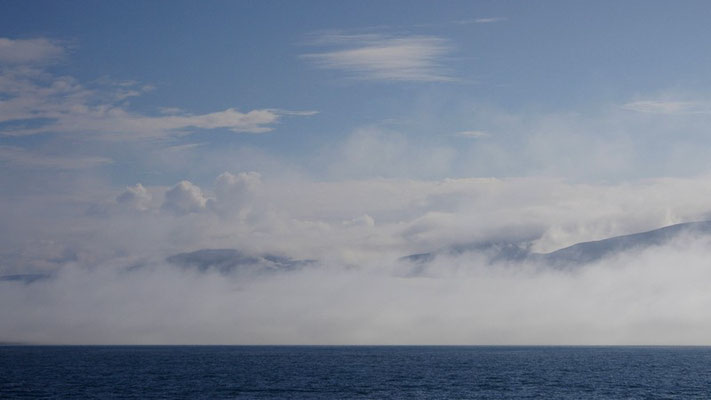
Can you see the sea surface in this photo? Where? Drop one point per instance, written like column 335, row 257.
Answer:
column 345, row 372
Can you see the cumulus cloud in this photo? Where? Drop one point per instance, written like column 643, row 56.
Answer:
column 382, row 57
column 228, row 185
column 236, row 192
column 184, row 198
column 29, row 51
column 135, row 197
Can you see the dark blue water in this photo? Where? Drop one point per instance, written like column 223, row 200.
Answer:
column 226, row 372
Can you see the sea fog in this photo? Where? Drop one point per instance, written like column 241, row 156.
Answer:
column 258, row 259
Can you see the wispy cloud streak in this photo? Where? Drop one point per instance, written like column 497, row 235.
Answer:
column 381, row 57
column 19, row 157
column 34, row 100
column 487, row 20
column 22, row 51
column 473, row 134
column 668, row 107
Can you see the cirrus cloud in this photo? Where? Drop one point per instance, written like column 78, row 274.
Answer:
column 381, row 57
column 34, row 100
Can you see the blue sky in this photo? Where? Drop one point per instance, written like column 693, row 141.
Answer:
column 351, row 134
column 601, row 72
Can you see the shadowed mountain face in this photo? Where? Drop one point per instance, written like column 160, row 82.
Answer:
column 493, row 250
column 578, row 254
column 225, row 261
column 586, row 252
column 24, row 278
column 231, row 260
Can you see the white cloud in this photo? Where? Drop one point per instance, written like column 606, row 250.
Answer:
column 373, row 151
column 668, row 107
column 379, row 57
column 29, row 51
column 234, row 193
column 364, row 220
column 38, row 101
column 184, row 198
column 607, row 143
column 183, row 147
column 122, row 124
column 487, row 20
column 68, row 110
column 473, row 134
column 229, row 185
column 21, row 158
column 135, row 197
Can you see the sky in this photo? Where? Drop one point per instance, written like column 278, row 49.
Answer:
column 344, row 136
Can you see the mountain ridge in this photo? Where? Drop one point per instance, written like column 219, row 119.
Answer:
column 576, row 254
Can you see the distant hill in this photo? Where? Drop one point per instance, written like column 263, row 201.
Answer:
column 24, row 278
column 224, row 261
column 577, row 254
column 231, row 260
column 586, row 252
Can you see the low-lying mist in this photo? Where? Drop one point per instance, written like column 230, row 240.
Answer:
column 654, row 296
column 327, row 264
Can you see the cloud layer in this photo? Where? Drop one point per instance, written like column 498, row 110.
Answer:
column 108, row 278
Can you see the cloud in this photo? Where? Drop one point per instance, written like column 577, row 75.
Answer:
column 20, row 158
column 36, row 101
column 109, row 278
column 183, row 147
column 255, row 121
column 29, row 51
column 374, row 151
column 135, row 197
column 236, row 192
column 473, row 134
column 69, row 110
column 364, row 220
column 668, row 107
column 389, row 58
column 184, row 198
column 655, row 297
column 488, row 20
column 608, row 143
column 384, row 196
column 228, row 186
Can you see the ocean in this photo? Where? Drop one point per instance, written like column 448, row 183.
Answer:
column 354, row 372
